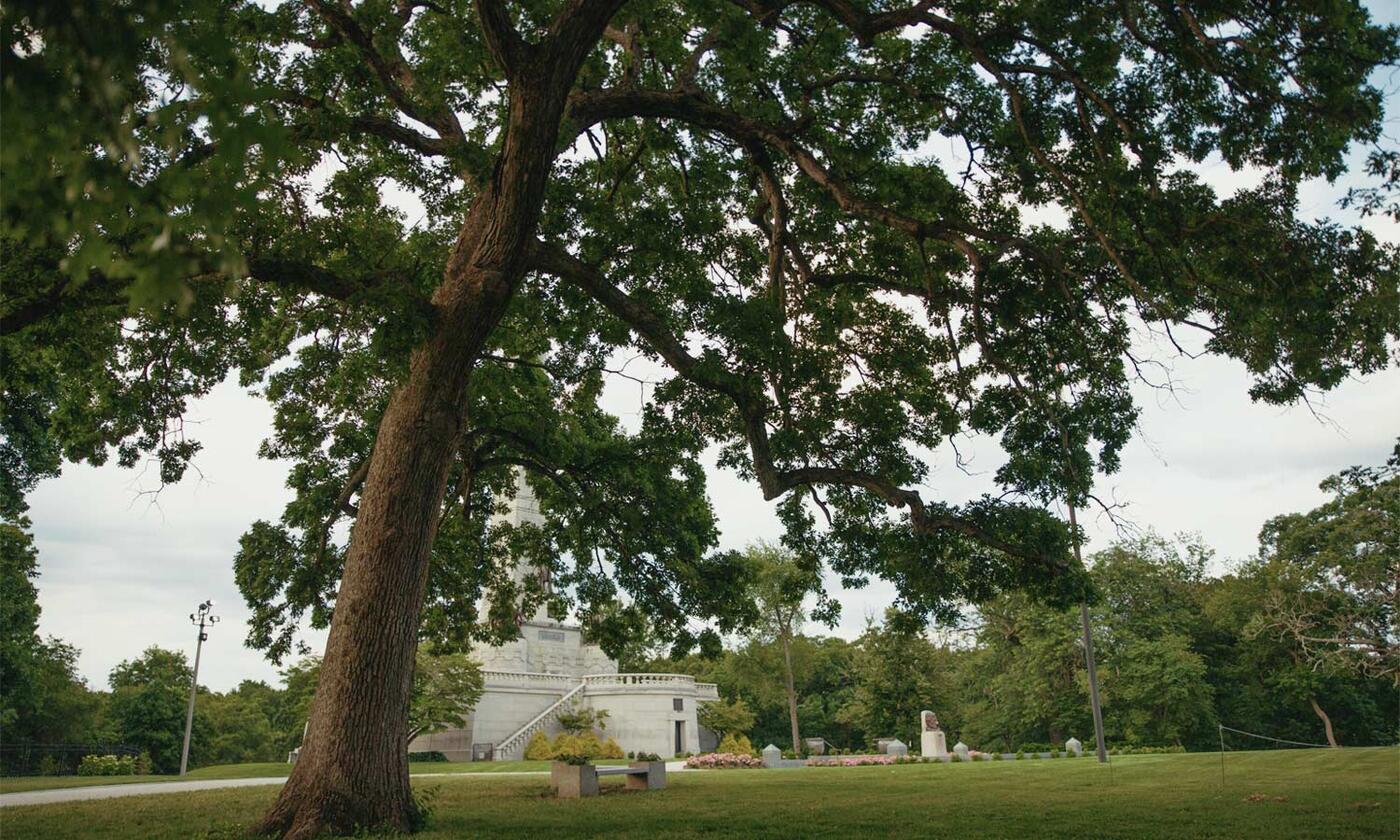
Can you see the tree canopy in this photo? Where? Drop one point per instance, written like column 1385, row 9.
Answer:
column 1334, row 573
column 851, row 231
column 762, row 195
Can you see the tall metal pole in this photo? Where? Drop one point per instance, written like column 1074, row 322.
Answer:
column 1089, row 654
column 200, row 620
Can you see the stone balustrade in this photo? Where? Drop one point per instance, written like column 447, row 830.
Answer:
column 673, row 680
column 521, row 678
column 564, row 682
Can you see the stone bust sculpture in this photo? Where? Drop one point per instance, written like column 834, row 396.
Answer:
column 930, row 722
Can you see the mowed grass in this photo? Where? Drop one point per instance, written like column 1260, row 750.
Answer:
column 16, row 784
column 1352, row 793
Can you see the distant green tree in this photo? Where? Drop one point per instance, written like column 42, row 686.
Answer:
column 42, row 697
column 239, row 730
column 446, row 688
column 20, row 645
column 582, row 720
column 147, row 708
column 299, row 687
column 1026, row 677
column 1263, row 685
column 897, row 673
column 783, row 582
column 723, row 717
column 1334, row 575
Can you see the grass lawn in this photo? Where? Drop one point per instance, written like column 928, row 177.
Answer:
column 1352, row 793
column 14, row 784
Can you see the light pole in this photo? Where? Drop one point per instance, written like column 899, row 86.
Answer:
column 200, row 619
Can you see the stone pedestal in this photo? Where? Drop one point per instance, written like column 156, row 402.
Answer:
column 1074, row 747
column 961, row 749
column 897, row 748
column 571, row 781
column 655, row 778
column 934, row 744
column 772, row 756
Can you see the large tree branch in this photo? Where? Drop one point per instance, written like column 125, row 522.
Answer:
column 100, row 290
column 693, row 108
column 748, row 399
column 501, row 38
column 393, row 72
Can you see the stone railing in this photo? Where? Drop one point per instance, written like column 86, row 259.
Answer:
column 706, row 691
column 676, row 681
column 553, row 682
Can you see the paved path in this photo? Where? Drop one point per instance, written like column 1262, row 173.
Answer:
column 83, row 794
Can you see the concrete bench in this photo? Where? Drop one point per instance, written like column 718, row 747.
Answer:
column 571, row 781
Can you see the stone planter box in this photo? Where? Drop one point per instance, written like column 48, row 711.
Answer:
column 571, row 781
column 653, row 779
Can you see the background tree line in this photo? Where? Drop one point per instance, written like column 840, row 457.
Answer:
column 1298, row 642
column 44, row 701
column 1178, row 652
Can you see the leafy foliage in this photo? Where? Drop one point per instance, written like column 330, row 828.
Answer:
column 1334, row 575
column 755, row 195
column 147, row 707
column 725, row 716
column 582, row 719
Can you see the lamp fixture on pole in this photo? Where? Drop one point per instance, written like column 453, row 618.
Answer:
column 204, row 617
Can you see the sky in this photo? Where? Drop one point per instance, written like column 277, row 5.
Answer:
column 121, row 569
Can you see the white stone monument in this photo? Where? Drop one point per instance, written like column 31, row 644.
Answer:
column 1074, row 747
column 897, row 748
column 961, row 749
column 932, row 742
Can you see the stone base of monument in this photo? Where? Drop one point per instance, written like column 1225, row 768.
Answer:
column 934, row 745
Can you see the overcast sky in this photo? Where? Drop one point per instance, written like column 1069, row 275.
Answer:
column 120, row 571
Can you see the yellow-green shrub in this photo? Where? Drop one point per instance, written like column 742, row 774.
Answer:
column 612, row 749
column 736, row 744
column 539, row 748
column 586, row 744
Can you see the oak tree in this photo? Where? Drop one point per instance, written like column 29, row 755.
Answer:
column 850, row 230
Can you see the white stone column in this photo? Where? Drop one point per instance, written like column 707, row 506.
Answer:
column 934, row 744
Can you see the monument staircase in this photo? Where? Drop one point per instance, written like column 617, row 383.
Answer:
column 514, row 746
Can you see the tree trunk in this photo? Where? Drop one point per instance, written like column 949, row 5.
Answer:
column 791, row 694
column 352, row 772
column 1326, row 722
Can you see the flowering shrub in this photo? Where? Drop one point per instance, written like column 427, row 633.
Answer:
column 853, row 761
column 721, row 761
column 107, row 765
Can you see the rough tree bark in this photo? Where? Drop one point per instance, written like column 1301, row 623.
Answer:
column 353, row 768
column 1326, row 722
